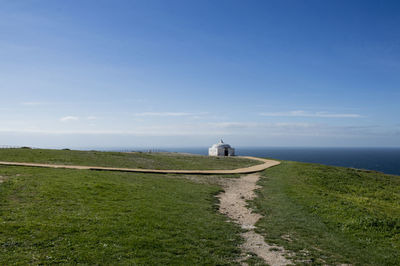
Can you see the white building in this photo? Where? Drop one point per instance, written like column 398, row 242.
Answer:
column 221, row 149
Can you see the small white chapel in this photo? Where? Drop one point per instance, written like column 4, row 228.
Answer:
column 221, row 149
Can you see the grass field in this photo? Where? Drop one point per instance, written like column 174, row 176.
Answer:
column 321, row 214
column 127, row 160
column 331, row 215
column 51, row 216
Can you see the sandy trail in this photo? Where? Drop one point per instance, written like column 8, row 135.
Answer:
column 233, row 204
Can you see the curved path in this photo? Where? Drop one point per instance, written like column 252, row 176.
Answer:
column 247, row 170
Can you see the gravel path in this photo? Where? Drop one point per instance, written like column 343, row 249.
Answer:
column 233, row 204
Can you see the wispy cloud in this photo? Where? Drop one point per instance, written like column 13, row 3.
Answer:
column 32, row 103
column 301, row 113
column 234, row 128
column 68, row 103
column 233, row 125
column 166, row 114
column 294, row 125
column 255, row 125
column 69, row 118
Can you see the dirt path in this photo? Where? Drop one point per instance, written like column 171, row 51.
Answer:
column 252, row 169
column 233, row 204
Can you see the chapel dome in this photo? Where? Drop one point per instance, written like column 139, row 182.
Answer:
column 221, row 144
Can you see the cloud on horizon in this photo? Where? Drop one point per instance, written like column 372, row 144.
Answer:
column 69, row 118
column 215, row 128
column 33, row 103
column 165, row 114
column 300, row 113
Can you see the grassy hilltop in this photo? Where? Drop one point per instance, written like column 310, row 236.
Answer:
column 80, row 216
column 324, row 215
column 124, row 160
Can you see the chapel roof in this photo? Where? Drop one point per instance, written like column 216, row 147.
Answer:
column 221, row 144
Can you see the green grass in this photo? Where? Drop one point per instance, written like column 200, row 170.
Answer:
column 127, row 160
column 331, row 215
column 322, row 214
column 52, row 216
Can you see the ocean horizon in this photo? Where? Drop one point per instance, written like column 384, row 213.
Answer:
column 386, row 160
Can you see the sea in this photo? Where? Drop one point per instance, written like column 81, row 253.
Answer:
column 386, row 160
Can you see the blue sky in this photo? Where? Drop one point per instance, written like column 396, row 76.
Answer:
column 186, row 73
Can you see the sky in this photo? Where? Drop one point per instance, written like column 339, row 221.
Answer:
column 149, row 73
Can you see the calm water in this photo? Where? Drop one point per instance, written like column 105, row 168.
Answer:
column 385, row 160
